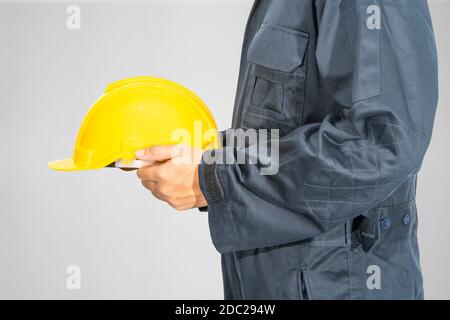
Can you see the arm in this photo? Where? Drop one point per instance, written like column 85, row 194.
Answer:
column 333, row 171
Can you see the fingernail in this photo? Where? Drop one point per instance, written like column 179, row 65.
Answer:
column 140, row 153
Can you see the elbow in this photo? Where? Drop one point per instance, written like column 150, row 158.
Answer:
column 401, row 159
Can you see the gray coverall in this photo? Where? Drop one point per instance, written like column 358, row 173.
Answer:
column 352, row 87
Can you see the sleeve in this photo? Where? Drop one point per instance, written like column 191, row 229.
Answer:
column 332, row 171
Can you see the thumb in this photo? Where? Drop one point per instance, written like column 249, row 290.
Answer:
column 157, row 153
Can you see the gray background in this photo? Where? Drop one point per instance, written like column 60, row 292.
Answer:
column 128, row 244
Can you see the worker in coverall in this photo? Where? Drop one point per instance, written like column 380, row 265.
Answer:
column 351, row 85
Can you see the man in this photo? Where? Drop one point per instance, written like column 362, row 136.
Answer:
column 351, row 85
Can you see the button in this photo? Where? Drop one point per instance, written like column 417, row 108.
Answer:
column 406, row 219
column 385, row 223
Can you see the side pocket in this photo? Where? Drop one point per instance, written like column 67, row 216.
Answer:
column 304, row 285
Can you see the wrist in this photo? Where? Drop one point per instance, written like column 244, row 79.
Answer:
column 201, row 199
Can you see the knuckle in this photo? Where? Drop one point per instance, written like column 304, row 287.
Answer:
column 154, row 152
column 175, row 205
column 166, row 192
column 151, row 151
column 146, row 185
column 162, row 173
column 172, row 201
column 158, row 196
column 178, row 205
column 158, row 175
column 139, row 173
column 144, row 173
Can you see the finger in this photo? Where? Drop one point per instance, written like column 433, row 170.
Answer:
column 150, row 185
column 157, row 153
column 153, row 187
column 155, row 172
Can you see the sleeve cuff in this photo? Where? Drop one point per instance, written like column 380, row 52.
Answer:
column 209, row 182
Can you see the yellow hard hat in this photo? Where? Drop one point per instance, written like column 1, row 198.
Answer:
column 138, row 113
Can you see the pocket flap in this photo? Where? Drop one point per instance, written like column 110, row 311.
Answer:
column 278, row 48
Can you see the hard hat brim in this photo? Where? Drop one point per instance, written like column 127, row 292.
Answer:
column 67, row 165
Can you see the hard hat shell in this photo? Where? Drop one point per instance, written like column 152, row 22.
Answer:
column 137, row 113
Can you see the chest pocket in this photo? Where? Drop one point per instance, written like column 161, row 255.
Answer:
column 276, row 84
